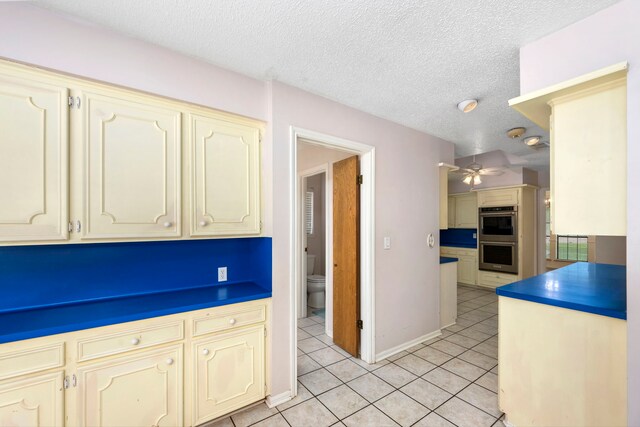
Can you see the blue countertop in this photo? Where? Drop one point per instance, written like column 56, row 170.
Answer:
column 460, row 245
column 38, row 322
column 592, row 288
column 446, row 260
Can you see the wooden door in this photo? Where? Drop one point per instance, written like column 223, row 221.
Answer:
column 229, row 373
column 34, row 402
column 346, row 254
column 225, row 177
column 142, row 389
column 34, row 143
column 132, row 168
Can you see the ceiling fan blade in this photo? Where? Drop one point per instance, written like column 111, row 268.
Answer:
column 462, row 171
column 495, row 172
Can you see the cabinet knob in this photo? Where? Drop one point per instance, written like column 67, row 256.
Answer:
column 205, row 351
column 167, row 224
column 135, row 341
column 232, row 321
column 169, row 361
column 203, row 223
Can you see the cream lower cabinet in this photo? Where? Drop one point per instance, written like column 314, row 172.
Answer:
column 142, row 389
column 33, row 159
column 162, row 371
column 467, row 265
column 35, row 401
column 225, row 176
column 229, row 372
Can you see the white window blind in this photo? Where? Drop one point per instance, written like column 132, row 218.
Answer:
column 308, row 212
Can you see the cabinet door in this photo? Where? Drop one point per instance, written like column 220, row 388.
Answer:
column 229, row 372
column 144, row 389
column 467, row 269
column 33, row 402
column 33, row 160
column 466, row 211
column 505, row 197
column 132, row 168
column 225, row 177
column 451, row 212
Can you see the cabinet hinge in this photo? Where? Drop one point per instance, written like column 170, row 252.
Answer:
column 74, row 380
column 66, row 382
column 360, row 179
column 70, row 227
column 261, row 226
column 70, row 101
column 359, row 324
column 78, row 226
column 265, row 332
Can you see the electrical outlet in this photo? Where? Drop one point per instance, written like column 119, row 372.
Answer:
column 222, row 274
column 475, row 236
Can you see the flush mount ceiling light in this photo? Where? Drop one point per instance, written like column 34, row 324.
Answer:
column 467, row 105
column 532, row 140
column 515, row 132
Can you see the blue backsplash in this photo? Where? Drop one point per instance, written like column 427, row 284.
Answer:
column 59, row 274
column 461, row 237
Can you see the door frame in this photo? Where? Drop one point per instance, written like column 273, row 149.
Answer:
column 366, row 155
column 302, row 285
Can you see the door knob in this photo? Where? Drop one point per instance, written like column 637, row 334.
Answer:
column 203, row 223
column 169, row 361
column 135, row 341
column 335, row 265
column 167, row 224
column 232, row 321
column 205, row 351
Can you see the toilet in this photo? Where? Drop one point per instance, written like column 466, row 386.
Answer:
column 315, row 285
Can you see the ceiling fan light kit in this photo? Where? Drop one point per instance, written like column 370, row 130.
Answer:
column 467, row 105
column 516, row 132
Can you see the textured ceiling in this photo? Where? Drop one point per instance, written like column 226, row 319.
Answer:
column 408, row 61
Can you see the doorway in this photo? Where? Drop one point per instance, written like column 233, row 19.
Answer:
column 302, row 140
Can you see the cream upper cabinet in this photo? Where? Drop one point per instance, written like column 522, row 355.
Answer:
column 463, row 211
column 467, row 211
column 587, row 118
column 225, row 176
column 499, row 197
column 229, row 372
column 36, row 401
column 33, row 159
column 132, row 168
column 144, row 389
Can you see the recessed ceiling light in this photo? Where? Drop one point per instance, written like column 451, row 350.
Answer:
column 516, row 132
column 532, row 140
column 467, row 105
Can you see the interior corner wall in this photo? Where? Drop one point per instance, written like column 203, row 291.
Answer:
column 607, row 37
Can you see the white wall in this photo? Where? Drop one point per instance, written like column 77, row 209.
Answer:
column 608, row 37
column 407, row 277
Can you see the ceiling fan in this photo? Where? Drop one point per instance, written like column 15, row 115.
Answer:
column 474, row 170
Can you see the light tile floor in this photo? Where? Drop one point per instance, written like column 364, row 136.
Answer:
column 450, row 380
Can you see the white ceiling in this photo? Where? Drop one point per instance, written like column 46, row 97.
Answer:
column 408, row 61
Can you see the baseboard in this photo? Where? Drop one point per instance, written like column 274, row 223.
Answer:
column 397, row 349
column 446, row 326
column 278, row 399
column 507, row 423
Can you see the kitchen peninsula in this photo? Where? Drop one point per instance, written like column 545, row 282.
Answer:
column 563, row 347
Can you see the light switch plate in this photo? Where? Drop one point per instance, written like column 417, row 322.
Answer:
column 475, row 235
column 387, row 243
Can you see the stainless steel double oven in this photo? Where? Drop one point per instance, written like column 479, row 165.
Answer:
column 498, row 239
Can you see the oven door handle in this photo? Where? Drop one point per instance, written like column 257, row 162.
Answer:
column 497, row 213
column 498, row 243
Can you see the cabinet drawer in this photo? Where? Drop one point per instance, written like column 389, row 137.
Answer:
column 225, row 319
column 494, row 280
column 498, row 197
column 107, row 345
column 29, row 360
